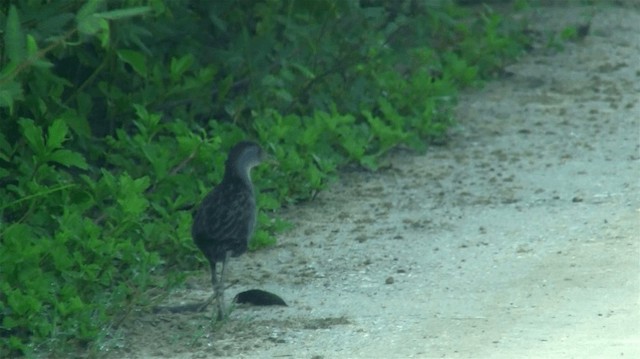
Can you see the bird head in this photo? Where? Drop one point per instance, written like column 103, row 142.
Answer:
column 243, row 157
column 248, row 153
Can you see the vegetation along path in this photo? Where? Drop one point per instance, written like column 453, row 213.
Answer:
column 520, row 238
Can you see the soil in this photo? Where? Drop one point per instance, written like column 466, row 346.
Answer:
column 518, row 238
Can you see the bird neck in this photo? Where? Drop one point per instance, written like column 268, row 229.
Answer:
column 238, row 174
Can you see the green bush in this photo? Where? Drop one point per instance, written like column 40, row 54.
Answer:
column 116, row 117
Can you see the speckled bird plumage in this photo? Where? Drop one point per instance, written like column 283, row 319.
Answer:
column 226, row 219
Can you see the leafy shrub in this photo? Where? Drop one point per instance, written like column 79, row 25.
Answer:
column 116, row 118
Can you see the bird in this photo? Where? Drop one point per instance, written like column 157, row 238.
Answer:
column 226, row 218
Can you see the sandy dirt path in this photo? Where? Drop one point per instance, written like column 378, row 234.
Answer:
column 520, row 238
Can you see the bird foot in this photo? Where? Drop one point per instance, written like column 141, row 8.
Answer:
column 221, row 312
column 206, row 303
column 220, row 316
column 202, row 306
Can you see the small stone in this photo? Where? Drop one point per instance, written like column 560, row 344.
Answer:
column 389, row 280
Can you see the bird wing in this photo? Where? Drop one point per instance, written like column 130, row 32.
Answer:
column 224, row 221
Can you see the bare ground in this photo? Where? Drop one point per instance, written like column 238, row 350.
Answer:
column 519, row 238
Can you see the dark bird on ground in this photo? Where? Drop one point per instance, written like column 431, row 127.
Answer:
column 258, row 297
column 226, row 218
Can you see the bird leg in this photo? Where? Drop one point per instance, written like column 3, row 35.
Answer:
column 214, row 283
column 219, row 288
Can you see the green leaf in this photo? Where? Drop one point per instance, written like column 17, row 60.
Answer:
column 180, row 65
column 69, row 159
column 33, row 135
column 89, row 23
column 9, row 93
column 14, row 39
column 16, row 343
column 124, row 13
column 78, row 122
column 261, row 239
column 9, row 322
column 23, row 304
column 56, row 134
column 136, row 59
column 223, row 87
column 369, row 162
column 5, row 148
column 131, row 196
column 61, row 258
column 90, row 8
column 304, row 70
column 34, row 56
